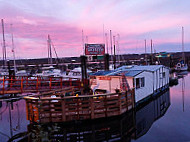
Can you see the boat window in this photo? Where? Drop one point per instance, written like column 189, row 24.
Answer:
column 142, row 82
column 163, row 74
column 137, row 83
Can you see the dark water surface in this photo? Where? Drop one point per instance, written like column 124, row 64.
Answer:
column 164, row 119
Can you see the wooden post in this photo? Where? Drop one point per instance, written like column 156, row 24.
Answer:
column 3, row 85
column 119, row 100
column 50, row 81
column 37, row 84
column 22, row 84
column 63, row 110
column 92, row 107
column 133, row 97
column 61, row 82
column 105, row 105
column 126, row 97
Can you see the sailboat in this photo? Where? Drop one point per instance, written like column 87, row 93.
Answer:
column 182, row 66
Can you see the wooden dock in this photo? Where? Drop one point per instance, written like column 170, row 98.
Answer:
column 43, row 108
column 39, row 84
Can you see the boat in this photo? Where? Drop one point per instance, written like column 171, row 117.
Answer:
column 74, row 74
column 182, row 66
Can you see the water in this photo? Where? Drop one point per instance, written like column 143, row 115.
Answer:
column 166, row 118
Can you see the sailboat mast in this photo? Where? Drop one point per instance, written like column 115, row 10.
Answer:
column 106, row 42
column 183, row 54
column 145, row 51
column 4, row 46
column 13, row 49
column 49, row 50
column 83, row 42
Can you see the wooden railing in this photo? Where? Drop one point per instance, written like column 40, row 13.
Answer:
column 62, row 109
column 27, row 84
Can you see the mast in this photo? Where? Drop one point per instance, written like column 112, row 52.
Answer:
column 118, row 48
column 4, row 46
column 106, row 35
column 114, row 58
column 183, row 54
column 145, row 51
column 83, row 42
column 49, row 51
column 111, row 44
column 13, row 49
column 151, row 53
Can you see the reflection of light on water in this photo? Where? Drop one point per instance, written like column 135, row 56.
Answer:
column 183, row 92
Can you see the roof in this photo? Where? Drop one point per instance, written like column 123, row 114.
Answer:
column 129, row 70
column 126, row 73
column 146, row 68
column 100, row 73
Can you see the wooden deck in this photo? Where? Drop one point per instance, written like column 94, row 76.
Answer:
column 68, row 108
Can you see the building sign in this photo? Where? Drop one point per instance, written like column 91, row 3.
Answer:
column 94, row 49
column 104, row 78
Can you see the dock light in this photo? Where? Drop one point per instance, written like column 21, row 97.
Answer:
column 77, row 95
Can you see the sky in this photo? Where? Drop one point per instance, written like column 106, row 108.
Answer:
column 131, row 22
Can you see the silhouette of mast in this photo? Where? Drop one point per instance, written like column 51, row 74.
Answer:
column 4, row 46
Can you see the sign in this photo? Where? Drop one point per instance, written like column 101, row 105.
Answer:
column 104, row 78
column 94, row 49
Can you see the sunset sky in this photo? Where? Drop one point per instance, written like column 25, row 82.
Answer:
column 131, row 21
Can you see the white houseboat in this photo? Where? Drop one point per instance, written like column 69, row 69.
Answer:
column 146, row 80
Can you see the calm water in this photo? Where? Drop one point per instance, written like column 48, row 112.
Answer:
column 166, row 118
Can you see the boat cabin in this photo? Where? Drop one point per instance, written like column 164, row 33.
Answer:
column 146, row 80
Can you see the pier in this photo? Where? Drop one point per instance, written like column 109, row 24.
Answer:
column 61, row 108
column 24, row 84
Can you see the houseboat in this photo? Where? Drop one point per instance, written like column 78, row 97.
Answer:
column 147, row 81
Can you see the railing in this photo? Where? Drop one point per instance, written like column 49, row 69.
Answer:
column 27, row 84
column 62, row 109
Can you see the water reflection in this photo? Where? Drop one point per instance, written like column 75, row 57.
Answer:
column 130, row 126
column 12, row 118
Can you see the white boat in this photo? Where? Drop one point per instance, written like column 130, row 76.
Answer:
column 74, row 74
column 182, row 66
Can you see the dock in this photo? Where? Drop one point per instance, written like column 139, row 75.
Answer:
column 25, row 84
column 44, row 108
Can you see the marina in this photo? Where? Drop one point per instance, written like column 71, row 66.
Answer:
column 143, row 124
column 89, row 71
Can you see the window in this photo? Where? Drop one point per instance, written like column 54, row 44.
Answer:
column 140, row 82
column 163, row 74
column 137, row 83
